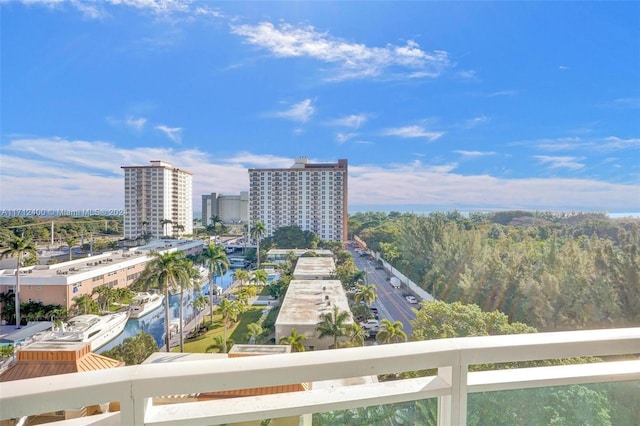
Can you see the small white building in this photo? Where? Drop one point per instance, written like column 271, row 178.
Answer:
column 302, row 306
column 281, row 255
column 314, row 268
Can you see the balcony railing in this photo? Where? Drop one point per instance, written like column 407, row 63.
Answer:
column 135, row 386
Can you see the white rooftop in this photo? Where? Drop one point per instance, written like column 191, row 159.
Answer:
column 82, row 268
column 307, row 299
column 314, row 267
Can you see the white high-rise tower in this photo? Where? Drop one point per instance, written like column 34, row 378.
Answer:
column 158, row 201
column 310, row 196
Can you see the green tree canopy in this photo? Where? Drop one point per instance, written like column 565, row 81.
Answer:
column 134, row 350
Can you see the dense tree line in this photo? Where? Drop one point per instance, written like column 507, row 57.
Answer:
column 546, row 270
column 65, row 227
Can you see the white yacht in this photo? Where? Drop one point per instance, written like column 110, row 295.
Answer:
column 145, row 303
column 96, row 329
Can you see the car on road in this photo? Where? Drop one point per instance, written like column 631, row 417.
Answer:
column 370, row 325
column 395, row 282
column 411, row 299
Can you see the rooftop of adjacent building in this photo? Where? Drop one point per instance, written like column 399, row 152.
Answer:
column 314, row 267
column 306, row 300
column 87, row 267
column 41, row 359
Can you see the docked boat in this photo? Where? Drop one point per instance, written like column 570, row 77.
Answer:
column 145, row 303
column 95, row 329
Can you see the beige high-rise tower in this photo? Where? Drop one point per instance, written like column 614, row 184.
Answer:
column 158, row 201
column 311, row 196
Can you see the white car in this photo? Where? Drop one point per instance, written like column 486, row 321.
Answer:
column 411, row 299
column 371, row 324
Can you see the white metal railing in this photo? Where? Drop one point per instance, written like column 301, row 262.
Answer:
column 135, row 386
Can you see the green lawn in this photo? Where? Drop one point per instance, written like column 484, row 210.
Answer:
column 237, row 332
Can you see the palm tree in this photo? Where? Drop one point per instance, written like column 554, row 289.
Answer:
column 106, row 296
column 194, row 276
column 218, row 263
column 85, row 305
column 391, row 332
column 166, row 271
column 178, row 229
column 260, row 277
column 164, row 223
column 358, row 335
column 255, row 330
column 70, row 243
column 358, row 276
column 294, row 340
column 242, row 276
column 199, row 303
column 333, row 324
column 220, row 345
column 366, row 293
column 229, row 312
column 257, row 232
column 18, row 247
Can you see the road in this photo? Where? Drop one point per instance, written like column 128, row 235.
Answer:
column 391, row 302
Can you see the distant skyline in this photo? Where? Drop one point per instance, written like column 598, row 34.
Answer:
column 474, row 106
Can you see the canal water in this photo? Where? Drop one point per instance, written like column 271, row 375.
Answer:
column 153, row 322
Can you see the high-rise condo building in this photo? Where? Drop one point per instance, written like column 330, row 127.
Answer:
column 158, row 201
column 311, row 196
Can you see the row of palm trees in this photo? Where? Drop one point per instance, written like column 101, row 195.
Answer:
column 171, row 272
column 334, row 324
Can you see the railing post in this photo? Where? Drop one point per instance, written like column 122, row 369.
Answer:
column 132, row 410
column 452, row 409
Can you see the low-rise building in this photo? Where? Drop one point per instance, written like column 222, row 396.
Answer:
column 314, row 268
column 281, row 255
column 302, row 306
column 59, row 283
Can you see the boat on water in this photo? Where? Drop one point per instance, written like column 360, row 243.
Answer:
column 95, row 329
column 145, row 303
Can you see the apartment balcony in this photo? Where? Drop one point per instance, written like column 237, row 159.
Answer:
column 454, row 386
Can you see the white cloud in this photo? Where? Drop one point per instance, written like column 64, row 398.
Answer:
column 571, row 163
column 413, row 132
column 475, row 153
column 353, row 121
column 467, row 75
column 563, row 67
column 609, row 143
column 420, row 185
column 155, row 6
column 57, row 173
column 95, row 9
column 501, row 93
column 352, row 60
column 344, row 137
column 173, row 133
column 613, row 143
column 476, row 121
column 135, row 123
column 89, row 10
column 624, row 103
column 300, row 112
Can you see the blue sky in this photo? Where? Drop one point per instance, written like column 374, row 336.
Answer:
column 436, row 105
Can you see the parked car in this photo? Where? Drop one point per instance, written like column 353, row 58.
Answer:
column 411, row 299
